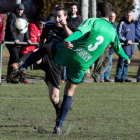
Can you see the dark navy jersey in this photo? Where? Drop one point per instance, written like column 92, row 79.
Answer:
column 52, row 33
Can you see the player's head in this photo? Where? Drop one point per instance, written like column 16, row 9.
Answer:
column 104, row 9
column 73, row 9
column 112, row 17
column 39, row 21
column 20, row 9
column 129, row 15
column 60, row 14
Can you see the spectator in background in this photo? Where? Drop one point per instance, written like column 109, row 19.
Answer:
column 137, row 27
column 126, row 33
column 14, row 50
column 73, row 21
column 35, row 30
column 1, row 28
column 106, row 75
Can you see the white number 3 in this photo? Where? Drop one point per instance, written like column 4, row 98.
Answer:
column 101, row 39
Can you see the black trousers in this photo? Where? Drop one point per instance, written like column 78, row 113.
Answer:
column 14, row 55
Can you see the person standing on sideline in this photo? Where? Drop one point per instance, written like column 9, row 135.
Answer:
column 73, row 21
column 78, row 52
column 35, row 29
column 14, row 49
column 137, row 27
column 1, row 28
column 106, row 75
column 126, row 33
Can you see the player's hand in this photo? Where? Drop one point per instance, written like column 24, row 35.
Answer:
column 29, row 41
column 127, row 62
column 68, row 45
column 63, row 22
column 17, row 41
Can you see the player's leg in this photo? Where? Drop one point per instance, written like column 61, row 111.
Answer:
column 54, row 97
column 66, row 104
column 74, row 77
column 35, row 56
column 53, row 73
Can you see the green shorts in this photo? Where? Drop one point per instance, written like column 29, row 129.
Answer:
column 73, row 74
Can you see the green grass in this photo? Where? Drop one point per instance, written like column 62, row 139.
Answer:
column 99, row 111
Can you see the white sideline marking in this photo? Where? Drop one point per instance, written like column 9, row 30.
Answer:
column 73, row 99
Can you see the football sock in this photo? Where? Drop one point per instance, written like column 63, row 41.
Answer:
column 57, row 106
column 65, row 107
column 35, row 56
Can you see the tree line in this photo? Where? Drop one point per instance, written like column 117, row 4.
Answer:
column 44, row 7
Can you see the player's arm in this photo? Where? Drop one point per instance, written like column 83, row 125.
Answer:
column 67, row 42
column 83, row 29
column 119, row 50
column 68, row 32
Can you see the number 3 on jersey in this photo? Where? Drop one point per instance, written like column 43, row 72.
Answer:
column 101, row 39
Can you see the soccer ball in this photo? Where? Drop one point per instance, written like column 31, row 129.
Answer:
column 19, row 26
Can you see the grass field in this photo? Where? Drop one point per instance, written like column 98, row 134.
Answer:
column 99, row 111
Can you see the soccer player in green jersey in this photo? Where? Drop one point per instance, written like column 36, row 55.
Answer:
column 79, row 51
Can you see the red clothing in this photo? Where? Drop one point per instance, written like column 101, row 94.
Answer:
column 34, row 35
column 1, row 28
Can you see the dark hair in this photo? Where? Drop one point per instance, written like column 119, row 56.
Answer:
column 73, row 4
column 105, row 8
column 60, row 7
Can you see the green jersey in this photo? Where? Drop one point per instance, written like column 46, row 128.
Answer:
column 97, row 34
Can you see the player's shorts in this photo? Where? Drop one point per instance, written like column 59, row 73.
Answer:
column 74, row 76
column 52, row 70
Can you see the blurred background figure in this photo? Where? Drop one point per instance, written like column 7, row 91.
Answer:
column 74, row 20
column 14, row 50
column 106, row 76
column 1, row 28
column 126, row 33
column 35, row 30
column 137, row 26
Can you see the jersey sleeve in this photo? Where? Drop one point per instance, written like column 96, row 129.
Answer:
column 76, row 35
column 116, row 45
column 86, row 26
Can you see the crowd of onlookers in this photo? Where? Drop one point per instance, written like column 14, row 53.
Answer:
column 128, row 32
